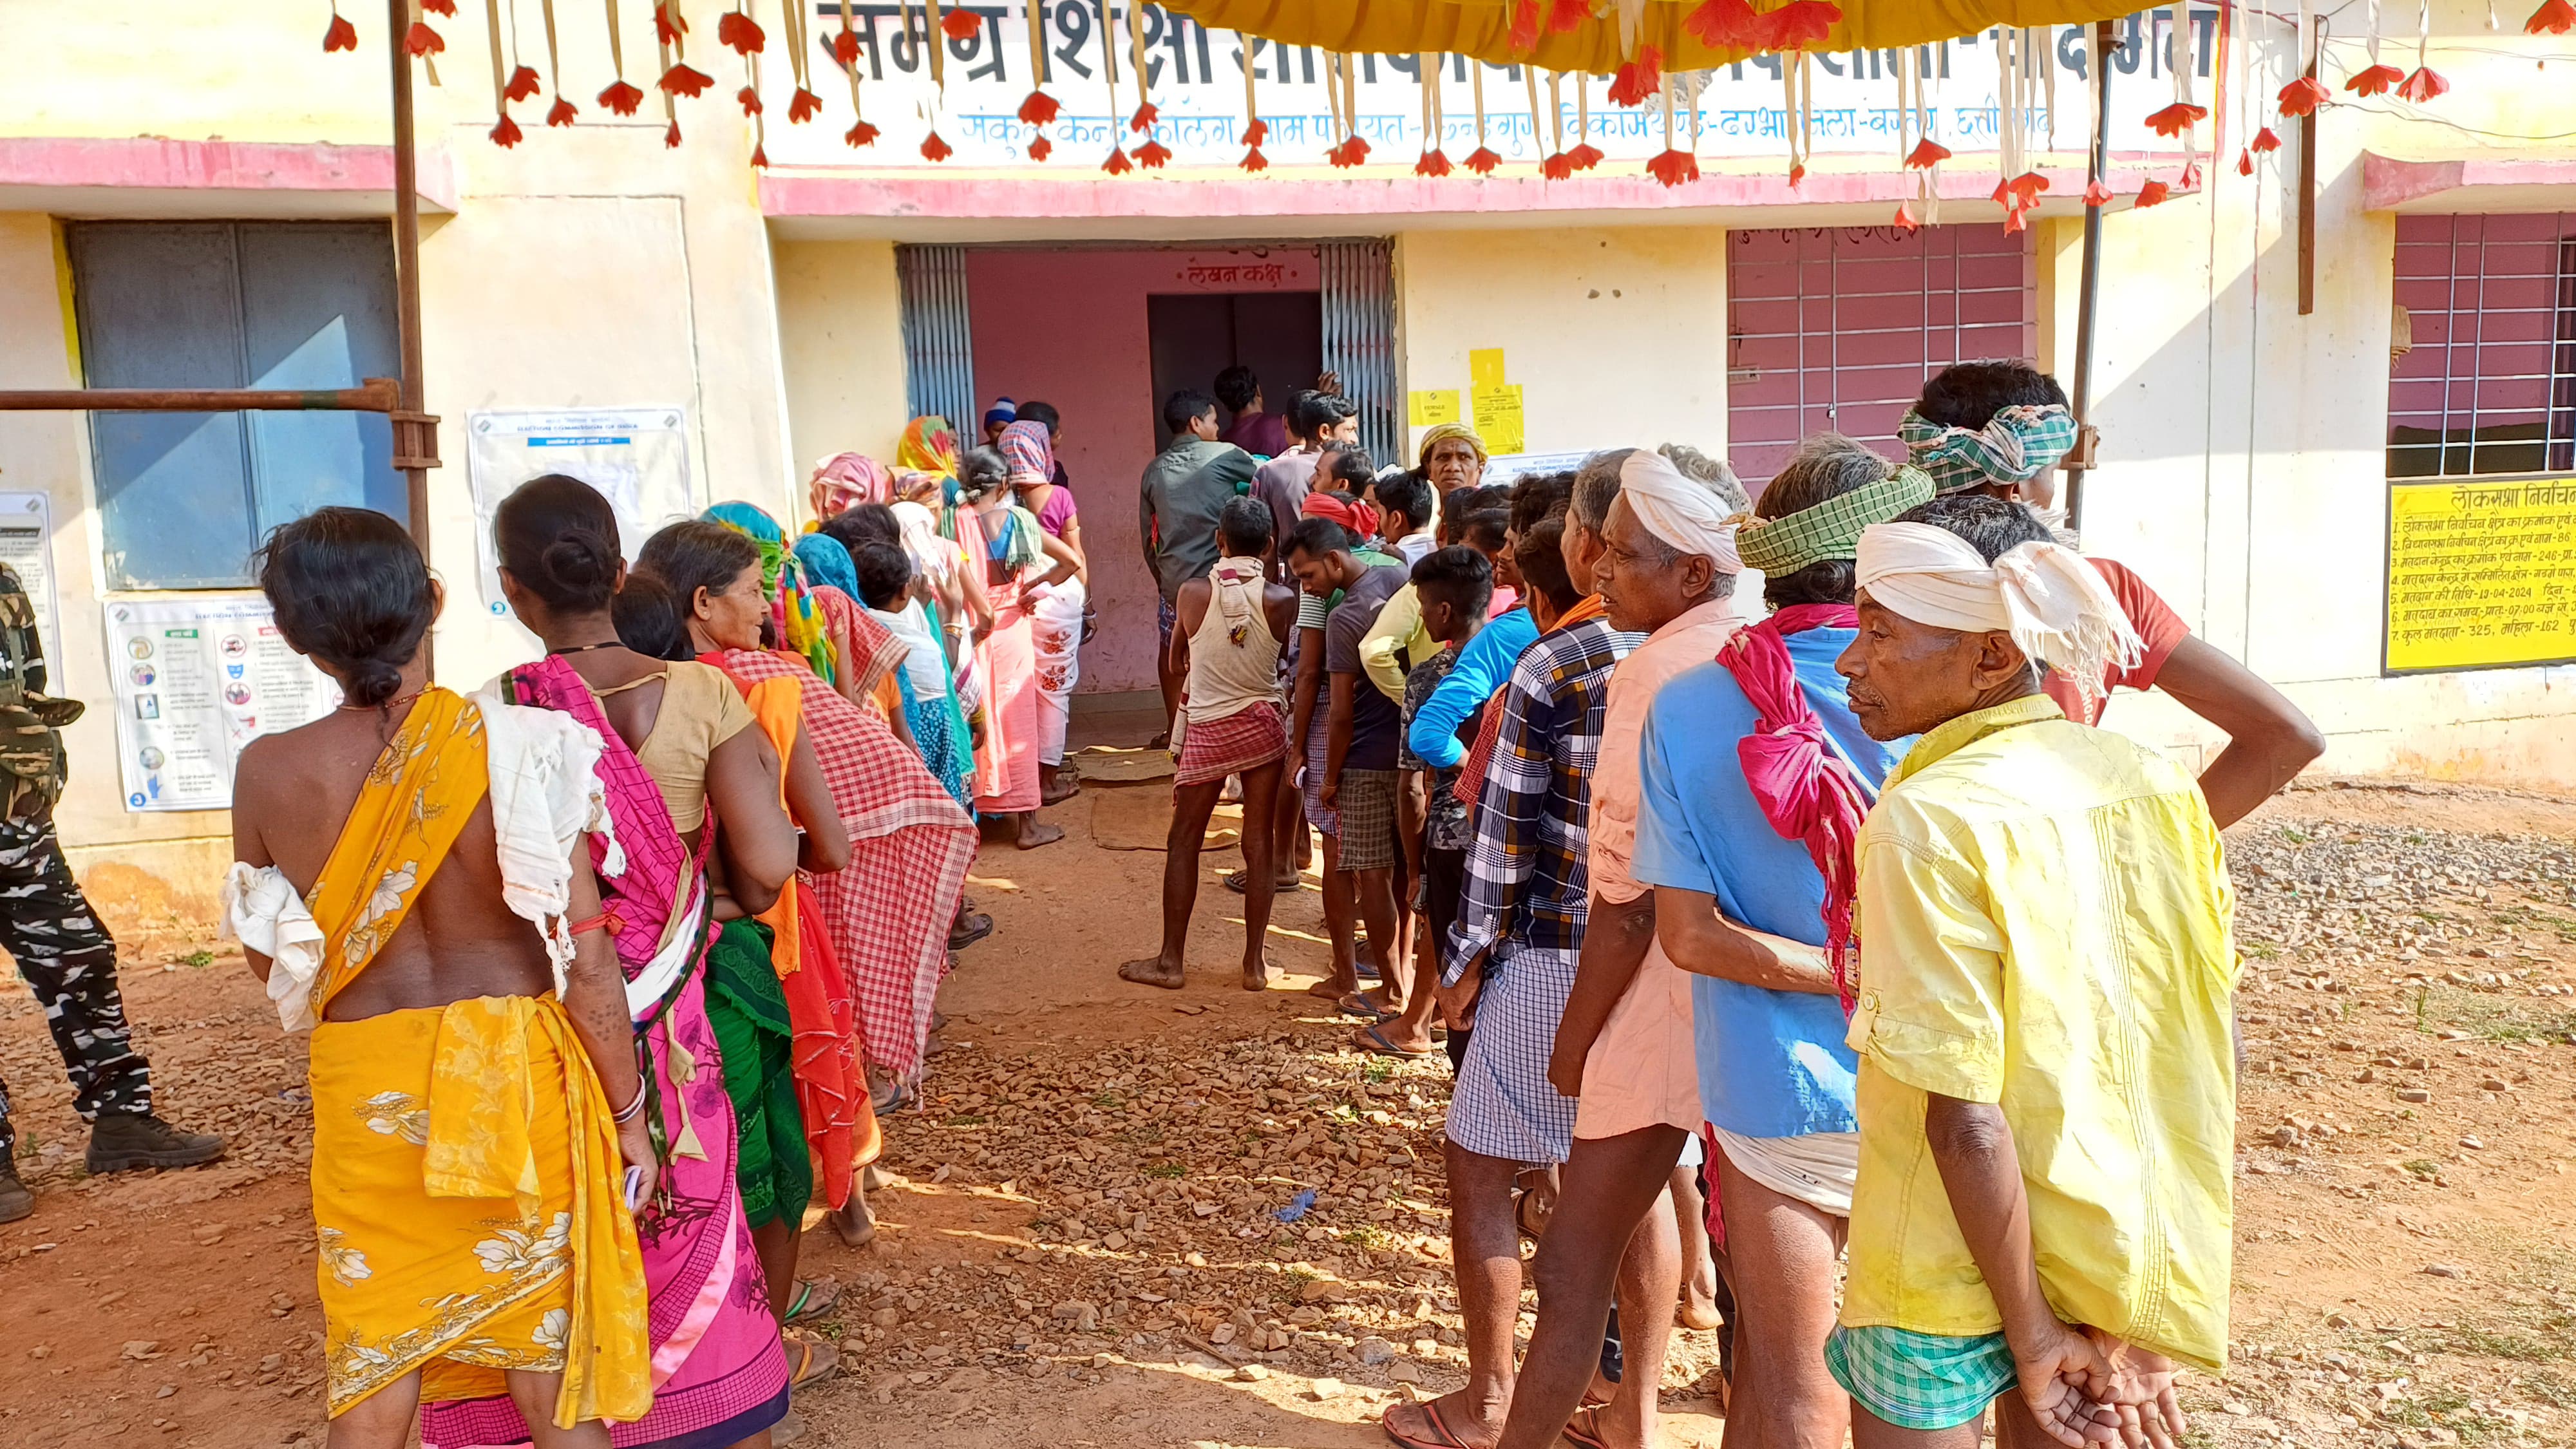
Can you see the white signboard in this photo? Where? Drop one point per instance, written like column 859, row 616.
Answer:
column 1512, row 466
column 26, row 545
column 196, row 679
column 1196, row 83
column 637, row 457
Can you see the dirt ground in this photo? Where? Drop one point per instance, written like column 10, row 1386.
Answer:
column 1084, row 1245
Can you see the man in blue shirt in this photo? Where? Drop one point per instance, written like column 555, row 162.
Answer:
column 1741, row 903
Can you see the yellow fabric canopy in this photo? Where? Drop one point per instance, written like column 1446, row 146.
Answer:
column 1483, row 28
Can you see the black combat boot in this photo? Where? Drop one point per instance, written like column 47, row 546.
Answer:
column 124, row 1141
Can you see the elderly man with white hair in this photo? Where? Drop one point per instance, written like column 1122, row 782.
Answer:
column 2047, row 1084
column 1660, row 546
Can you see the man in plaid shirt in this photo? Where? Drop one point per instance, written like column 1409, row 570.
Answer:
column 1510, row 961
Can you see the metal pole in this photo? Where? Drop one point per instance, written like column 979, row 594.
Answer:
column 2081, row 461
column 415, row 431
column 376, row 395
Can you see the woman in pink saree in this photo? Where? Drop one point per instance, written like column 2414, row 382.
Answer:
column 719, row 1375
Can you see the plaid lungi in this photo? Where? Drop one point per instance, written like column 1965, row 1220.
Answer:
column 1503, row 1105
column 1247, row 739
column 1366, row 803
column 1311, row 788
column 1920, row 1380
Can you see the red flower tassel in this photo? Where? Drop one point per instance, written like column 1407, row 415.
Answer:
column 2013, row 221
column 1145, row 117
column 2152, row 194
column 2379, row 80
column 2097, row 194
column 1039, row 108
column 1253, row 160
column 1797, row 174
column 1040, row 148
column 2027, row 186
column 1153, row 155
column 1524, row 26
column 1725, row 25
column 961, row 24
column 1674, row 167
column 2424, row 85
column 740, row 31
column 2177, row 118
column 1434, row 162
column 1482, row 161
column 2554, row 17
column 1639, row 79
column 2190, row 175
column 671, row 137
column 845, row 47
column 1584, row 156
column 1117, row 164
column 421, row 40
column 2301, row 97
column 859, row 135
column 803, row 106
column 562, row 112
column 684, row 79
column 1800, row 24
column 1905, row 216
column 523, row 83
column 506, row 134
column 1352, row 152
column 1566, row 16
column 1257, row 132
column 621, row 99
column 1557, row 167
column 1927, row 153
column 935, row 149
column 339, row 35
column 2267, row 140
column 749, row 99
column 2244, row 163
column 667, row 26
column 440, row 7
column 760, row 158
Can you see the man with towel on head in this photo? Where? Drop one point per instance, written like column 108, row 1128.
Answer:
column 2047, row 1079
column 1666, row 569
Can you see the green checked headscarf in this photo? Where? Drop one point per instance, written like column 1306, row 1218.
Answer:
column 2015, row 446
column 1831, row 529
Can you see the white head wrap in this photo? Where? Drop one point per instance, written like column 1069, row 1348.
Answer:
column 2053, row 603
column 1682, row 511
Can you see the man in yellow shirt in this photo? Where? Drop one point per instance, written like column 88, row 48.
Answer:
column 2047, row 1083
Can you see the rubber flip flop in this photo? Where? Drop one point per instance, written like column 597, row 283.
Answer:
column 814, row 1298
column 1372, row 1038
column 1585, row 1428
column 1358, row 1005
column 810, row 1354
column 1430, row 1415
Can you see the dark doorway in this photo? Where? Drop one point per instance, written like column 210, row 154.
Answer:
column 1196, row 335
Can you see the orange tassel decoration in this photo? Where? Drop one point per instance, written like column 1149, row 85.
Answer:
column 506, row 134
column 1927, row 153
column 1039, row 108
column 562, row 113
column 2244, row 163
column 859, row 135
column 1584, row 156
column 1557, row 167
column 1145, row 117
column 803, row 106
column 1040, row 148
column 2267, row 140
column 2014, row 221
column 1567, row 16
column 1118, row 164
column 683, row 79
column 2554, row 17
column 749, row 100
column 421, row 40
column 2379, row 80
column 736, row 29
column 1736, row 25
column 1905, row 220
column 621, row 99
column 2190, row 175
column 1434, row 162
column 935, row 149
column 440, row 7
column 2177, row 118
column 760, row 158
column 2028, row 186
column 1153, row 155
column 2301, row 97
column 1256, row 133
column 2424, row 85
column 671, row 136
column 1674, row 167
column 1639, row 79
column 961, row 24
column 1482, row 161
column 845, row 47
column 1253, row 160
column 2152, row 194
column 339, row 34
column 1524, row 26
column 523, row 83
column 1797, row 174
column 2097, row 194
column 1725, row 25
column 669, row 25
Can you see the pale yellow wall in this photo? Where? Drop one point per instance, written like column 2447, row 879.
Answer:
column 1616, row 336
column 840, row 332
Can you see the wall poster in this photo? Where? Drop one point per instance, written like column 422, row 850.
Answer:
column 638, row 457
column 196, row 678
column 2481, row 574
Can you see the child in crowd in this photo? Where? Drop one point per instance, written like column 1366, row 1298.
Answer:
column 1405, row 508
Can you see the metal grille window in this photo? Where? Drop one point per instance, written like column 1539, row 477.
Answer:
column 1835, row 328
column 2489, row 383
column 938, row 346
column 1359, row 337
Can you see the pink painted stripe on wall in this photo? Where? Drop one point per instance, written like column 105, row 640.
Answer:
column 146, row 163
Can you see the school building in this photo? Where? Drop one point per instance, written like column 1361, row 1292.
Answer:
column 2288, row 365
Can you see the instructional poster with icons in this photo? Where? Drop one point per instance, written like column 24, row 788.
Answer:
column 196, row 679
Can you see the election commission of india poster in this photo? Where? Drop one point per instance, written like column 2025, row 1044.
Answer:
column 637, row 457
column 2481, row 574
column 196, row 679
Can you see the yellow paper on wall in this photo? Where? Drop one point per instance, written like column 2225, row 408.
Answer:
column 1485, row 367
column 1498, row 419
column 1432, row 407
column 2481, row 574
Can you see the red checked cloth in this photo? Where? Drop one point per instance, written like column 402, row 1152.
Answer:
column 1244, row 740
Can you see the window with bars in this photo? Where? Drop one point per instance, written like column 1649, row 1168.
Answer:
column 1835, row 328
column 2489, row 385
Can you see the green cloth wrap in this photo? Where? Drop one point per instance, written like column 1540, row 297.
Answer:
column 749, row 1013
column 1920, row 1381
column 2016, row 445
column 1831, row 529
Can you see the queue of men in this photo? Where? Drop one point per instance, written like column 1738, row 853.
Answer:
column 1813, row 926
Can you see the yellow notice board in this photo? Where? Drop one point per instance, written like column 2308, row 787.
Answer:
column 1498, row 418
column 1428, row 408
column 2481, row 574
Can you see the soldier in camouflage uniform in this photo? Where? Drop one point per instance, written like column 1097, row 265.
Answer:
column 61, row 949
